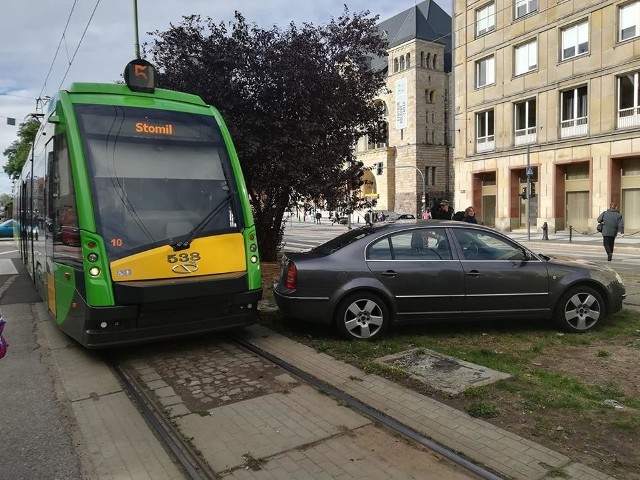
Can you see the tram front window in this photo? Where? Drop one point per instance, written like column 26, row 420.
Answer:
column 155, row 176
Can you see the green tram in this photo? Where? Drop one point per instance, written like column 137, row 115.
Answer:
column 133, row 217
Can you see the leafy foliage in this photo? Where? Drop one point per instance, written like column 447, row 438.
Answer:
column 295, row 101
column 18, row 151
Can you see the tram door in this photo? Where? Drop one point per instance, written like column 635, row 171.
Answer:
column 24, row 212
column 578, row 211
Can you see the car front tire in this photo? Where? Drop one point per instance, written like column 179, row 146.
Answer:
column 579, row 310
column 362, row 316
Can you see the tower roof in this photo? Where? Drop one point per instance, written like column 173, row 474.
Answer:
column 424, row 21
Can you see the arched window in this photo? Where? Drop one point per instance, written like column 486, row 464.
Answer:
column 402, row 62
column 422, row 59
column 428, row 60
column 395, row 65
column 435, row 58
column 408, row 60
column 431, row 96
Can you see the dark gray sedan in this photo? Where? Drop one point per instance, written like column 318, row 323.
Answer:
column 368, row 278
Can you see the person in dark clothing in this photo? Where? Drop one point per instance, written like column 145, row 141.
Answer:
column 470, row 215
column 442, row 213
column 612, row 224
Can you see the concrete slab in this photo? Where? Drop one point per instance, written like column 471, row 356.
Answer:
column 442, row 372
column 266, row 426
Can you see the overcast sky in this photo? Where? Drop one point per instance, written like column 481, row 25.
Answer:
column 32, row 31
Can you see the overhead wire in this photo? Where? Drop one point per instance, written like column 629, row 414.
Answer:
column 62, row 37
column 79, row 44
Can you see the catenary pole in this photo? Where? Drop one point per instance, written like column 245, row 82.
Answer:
column 135, row 27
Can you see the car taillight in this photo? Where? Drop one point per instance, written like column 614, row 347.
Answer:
column 292, row 276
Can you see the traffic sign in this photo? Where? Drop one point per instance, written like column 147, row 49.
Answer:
column 529, row 172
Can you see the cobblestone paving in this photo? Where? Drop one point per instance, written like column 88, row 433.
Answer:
column 212, row 375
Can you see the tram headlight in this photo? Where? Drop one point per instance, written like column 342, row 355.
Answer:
column 254, row 259
column 94, row 271
column 253, row 247
column 92, row 257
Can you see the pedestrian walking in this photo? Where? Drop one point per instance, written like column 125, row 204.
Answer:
column 318, row 217
column 610, row 223
column 470, row 215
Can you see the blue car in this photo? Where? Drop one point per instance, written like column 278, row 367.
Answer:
column 6, row 228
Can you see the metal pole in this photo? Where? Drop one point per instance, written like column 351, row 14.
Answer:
column 135, row 26
column 528, row 195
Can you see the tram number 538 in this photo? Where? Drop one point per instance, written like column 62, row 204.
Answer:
column 183, row 257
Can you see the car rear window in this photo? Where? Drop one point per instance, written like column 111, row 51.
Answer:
column 343, row 240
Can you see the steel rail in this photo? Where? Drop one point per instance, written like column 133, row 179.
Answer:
column 371, row 412
column 183, row 454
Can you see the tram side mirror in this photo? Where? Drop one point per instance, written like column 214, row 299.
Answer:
column 54, row 119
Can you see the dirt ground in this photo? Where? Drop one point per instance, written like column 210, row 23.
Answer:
column 606, row 441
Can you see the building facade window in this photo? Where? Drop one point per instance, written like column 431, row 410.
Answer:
column 485, row 19
column 485, row 131
column 485, row 72
column 422, row 59
column 435, row 61
column 574, row 112
column 575, row 40
column 408, row 60
column 524, row 7
column 526, row 58
column 395, row 65
column 628, row 100
column 402, row 64
column 428, row 59
column 525, row 122
column 629, row 21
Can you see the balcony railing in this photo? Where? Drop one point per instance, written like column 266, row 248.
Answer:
column 629, row 117
column 574, row 127
column 526, row 135
column 485, row 144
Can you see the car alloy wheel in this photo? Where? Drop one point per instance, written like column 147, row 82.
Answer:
column 362, row 316
column 579, row 309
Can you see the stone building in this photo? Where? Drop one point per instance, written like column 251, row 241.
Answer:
column 417, row 151
column 550, row 88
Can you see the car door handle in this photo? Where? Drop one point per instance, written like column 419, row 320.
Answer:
column 473, row 273
column 389, row 273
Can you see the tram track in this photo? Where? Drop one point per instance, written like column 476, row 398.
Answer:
column 368, row 411
column 196, row 468
column 186, row 457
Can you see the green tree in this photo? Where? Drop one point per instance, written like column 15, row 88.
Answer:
column 18, row 151
column 295, row 101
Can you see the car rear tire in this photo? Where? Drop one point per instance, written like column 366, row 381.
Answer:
column 362, row 316
column 579, row 309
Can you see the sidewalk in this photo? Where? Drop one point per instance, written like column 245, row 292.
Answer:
column 566, row 237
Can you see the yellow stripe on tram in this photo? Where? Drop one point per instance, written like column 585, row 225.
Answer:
column 206, row 256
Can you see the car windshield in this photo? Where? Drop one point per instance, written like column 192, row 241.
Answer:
column 156, row 175
column 343, row 240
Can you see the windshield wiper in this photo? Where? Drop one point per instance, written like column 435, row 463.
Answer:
column 186, row 243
